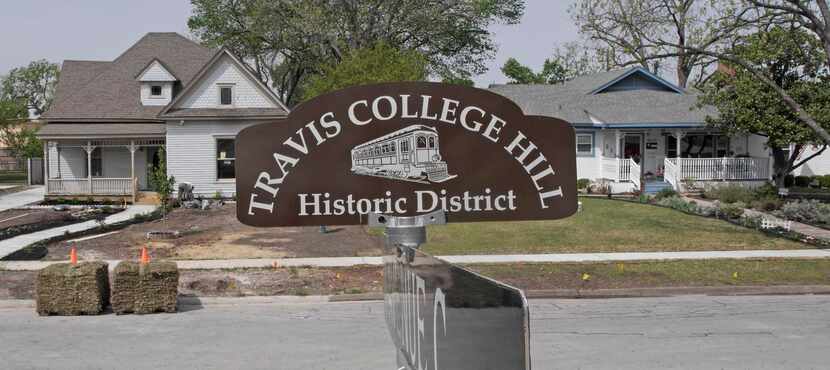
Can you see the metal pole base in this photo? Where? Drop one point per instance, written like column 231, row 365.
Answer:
column 406, row 231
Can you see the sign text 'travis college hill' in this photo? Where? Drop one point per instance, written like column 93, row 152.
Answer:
column 405, row 149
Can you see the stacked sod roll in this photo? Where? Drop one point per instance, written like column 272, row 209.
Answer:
column 72, row 289
column 145, row 287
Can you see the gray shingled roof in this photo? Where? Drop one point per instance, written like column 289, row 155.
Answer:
column 109, row 90
column 102, row 129
column 573, row 102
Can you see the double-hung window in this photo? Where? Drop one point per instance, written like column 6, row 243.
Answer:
column 584, row 144
column 225, row 159
column 225, row 95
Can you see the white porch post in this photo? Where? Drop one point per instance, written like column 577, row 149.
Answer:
column 46, row 166
column 132, row 148
column 89, row 148
column 678, row 134
column 617, row 154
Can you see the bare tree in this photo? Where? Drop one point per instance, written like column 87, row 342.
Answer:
column 624, row 30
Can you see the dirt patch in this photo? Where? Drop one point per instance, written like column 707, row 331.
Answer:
column 281, row 281
column 216, row 234
column 238, row 283
column 17, row 284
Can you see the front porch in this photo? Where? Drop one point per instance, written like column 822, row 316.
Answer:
column 646, row 160
column 113, row 169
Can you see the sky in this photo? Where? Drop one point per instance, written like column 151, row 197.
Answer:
column 57, row 30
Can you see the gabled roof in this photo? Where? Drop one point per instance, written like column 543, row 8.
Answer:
column 631, row 97
column 109, row 91
column 156, row 72
column 173, row 109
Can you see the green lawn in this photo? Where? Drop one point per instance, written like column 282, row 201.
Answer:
column 603, row 226
column 764, row 272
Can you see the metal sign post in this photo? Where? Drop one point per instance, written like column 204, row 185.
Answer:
column 405, row 156
column 405, row 234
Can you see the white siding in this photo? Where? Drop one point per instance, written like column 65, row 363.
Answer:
column 164, row 99
column 156, row 72
column 67, row 163
column 191, row 154
column 226, row 72
column 588, row 168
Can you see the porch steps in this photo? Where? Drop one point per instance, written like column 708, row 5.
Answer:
column 655, row 186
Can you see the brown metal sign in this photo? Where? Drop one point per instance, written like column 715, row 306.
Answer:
column 405, row 149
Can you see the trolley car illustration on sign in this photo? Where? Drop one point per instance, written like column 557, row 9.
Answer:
column 408, row 154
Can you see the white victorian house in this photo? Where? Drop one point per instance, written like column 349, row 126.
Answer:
column 638, row 131
column 109, row 118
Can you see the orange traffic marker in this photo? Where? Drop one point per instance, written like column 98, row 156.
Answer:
column 145, row 257
column 73, row 256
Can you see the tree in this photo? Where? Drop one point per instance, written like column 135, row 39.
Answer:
column 624, row 30
column 289, row 41
column 737, row 18
column 20, row 139
column 380, row 63
column 568, row 61
column 34, row 84
column 794, row 60
column 160, row 182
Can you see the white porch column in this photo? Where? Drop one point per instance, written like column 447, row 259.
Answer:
column 46, row 166
column 132, row 148
column 617, row 154
column 89, row 148
column 678, row 134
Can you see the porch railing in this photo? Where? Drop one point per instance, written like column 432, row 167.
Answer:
column 724, row 169
column 618, row 169
column 634, row 173
column 670, row 173
column 98, row 186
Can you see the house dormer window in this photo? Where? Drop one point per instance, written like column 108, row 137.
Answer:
column 225, row 95
column 155, row 90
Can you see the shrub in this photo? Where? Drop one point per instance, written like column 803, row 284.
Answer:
column 665, row 193
column 768, row 190
column 678, row 203
column 803, row 181
column 732, row 211
column 217, row 195
column 809, row 211
column 583, row 183
column 766, row 204
column 824, row 181
column 730, row 193
column 789, row 181
column 644, row 198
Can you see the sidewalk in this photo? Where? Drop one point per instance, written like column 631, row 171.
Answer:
column 471, row 259
column 798, row 227
column 19, row 242
column 21, row 198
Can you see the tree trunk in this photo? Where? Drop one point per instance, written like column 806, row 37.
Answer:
column 781, row 166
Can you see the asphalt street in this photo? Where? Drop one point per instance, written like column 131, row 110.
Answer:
column 689, row 332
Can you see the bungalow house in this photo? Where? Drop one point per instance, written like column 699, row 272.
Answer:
column 635, row 130
column 109, row 119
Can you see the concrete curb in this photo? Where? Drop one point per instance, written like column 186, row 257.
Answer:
column 190, row 303
column 465, row 259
